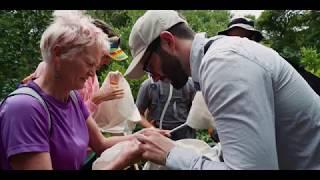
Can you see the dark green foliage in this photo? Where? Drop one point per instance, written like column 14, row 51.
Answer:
column 294, row 34
column 20, row 34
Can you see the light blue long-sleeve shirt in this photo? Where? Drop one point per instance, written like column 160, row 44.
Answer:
column 267, row 116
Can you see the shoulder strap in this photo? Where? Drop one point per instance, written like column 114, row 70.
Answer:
column 31, row 92
column 152, row 89
column 166, row 106
column 74, row 98
column 206, row 47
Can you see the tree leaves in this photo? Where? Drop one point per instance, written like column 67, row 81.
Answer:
column 294, row 34
column 21, row 30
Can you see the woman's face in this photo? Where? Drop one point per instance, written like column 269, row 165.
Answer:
column 105, row 60
column 77, row 69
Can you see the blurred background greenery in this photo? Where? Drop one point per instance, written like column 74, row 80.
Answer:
column 293, row 33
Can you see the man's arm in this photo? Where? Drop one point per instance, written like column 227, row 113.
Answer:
column 242, row 104
column 239, row 95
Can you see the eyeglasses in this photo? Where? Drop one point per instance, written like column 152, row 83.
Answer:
column 146, row 64
column 146, row 67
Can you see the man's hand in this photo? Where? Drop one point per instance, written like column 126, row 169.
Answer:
column 155, row 146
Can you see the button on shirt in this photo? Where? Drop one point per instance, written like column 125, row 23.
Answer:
column 267, row 116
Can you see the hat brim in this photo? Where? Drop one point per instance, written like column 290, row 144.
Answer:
column 135, row 69
column 118, row 54
column 243, row 26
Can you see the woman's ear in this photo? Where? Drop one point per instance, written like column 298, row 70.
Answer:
column 55, row 55
column 56, row 51
column 167, row 41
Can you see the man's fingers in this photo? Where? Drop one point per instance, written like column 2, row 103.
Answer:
column 151, row 155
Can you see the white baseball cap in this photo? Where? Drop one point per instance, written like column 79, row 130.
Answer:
column 146, row 29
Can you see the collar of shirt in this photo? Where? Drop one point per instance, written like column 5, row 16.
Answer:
column 197, row 52
column 196, row 55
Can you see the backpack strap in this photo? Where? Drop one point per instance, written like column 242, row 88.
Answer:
column 25, row 90
column 166, row 105
column 205, row 49
column 74, row 98
column 153, row 90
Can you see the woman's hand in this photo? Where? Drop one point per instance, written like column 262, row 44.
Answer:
column 130, row 154
column 28, row 78
column 113, row 92
column 146, row 131
column 110, row 93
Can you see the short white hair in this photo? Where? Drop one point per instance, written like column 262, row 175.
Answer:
column 72, row 30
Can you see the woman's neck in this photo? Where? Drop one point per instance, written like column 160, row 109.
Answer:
column 52, row 86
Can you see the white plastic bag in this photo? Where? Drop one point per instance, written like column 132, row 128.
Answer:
column 199, row 116
column 118, row 115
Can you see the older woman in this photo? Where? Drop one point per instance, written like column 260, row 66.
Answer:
column 90, row 93
column 72, row 48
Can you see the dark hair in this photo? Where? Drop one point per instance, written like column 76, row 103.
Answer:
column 181, row 30
column 106, row 28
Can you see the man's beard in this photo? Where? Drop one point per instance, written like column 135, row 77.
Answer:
column 172, row 69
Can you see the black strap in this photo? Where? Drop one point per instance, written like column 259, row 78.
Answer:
column 206, row 47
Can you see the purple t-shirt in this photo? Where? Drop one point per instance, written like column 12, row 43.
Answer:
column 24, row 128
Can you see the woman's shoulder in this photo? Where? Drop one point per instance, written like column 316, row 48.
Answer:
column 21, row 102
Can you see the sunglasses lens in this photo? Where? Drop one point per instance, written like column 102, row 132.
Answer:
column 115, row 43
